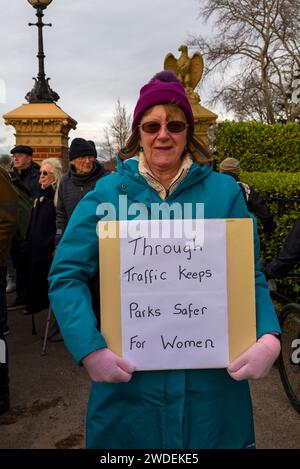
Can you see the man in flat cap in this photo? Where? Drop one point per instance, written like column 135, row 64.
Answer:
column 24, row 175
column 26, row 170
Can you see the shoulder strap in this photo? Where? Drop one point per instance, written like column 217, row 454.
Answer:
column 245, row 189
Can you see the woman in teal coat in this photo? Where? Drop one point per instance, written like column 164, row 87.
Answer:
column 211, row 408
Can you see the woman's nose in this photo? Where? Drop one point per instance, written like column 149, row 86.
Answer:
column 163, row 132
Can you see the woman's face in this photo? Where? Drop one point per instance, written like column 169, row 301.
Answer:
column 83, row 164
column 46, row 175
column 163, row 150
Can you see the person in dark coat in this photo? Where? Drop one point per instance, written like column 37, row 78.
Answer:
column 81, row 178
column 24, row 173
column 255, row 203
column 41, row 236
column 6, row 163
column 8, row 224
column 288, row 257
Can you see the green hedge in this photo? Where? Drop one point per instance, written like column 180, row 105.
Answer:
column 260, row 147
column 276, row 183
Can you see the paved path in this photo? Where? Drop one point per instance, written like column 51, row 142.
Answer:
column 49, row 395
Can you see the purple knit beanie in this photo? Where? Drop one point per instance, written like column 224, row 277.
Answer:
column 163, row 88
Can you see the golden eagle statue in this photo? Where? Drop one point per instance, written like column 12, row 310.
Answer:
column 188, row 70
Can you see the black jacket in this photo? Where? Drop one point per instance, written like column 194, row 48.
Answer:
column 288, row 256
column 72, row 189
column 256, row 205
column 41, row 243
column 29, row 178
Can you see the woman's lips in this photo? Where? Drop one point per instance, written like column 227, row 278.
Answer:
column 163, row 148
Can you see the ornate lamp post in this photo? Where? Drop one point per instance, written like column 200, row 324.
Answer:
column 40, row 123
column 41, row 92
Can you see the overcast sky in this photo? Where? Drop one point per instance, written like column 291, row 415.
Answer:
column 96, row 52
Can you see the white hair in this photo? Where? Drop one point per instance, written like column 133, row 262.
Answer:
column 57, row 173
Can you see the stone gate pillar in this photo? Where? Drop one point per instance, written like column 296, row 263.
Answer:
column 43, row 126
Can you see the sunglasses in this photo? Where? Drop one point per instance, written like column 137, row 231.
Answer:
column 174, row 127
column 44, row 173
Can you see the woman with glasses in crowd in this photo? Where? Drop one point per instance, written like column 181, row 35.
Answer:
column 41, row 235
column 162, row 162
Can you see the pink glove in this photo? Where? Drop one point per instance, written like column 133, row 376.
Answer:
column 257, row 361
column 104, row 365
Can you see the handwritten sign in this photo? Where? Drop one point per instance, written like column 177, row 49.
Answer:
column 174, row 298
column 180, row 306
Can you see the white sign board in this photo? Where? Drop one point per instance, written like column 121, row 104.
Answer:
column 174, row 298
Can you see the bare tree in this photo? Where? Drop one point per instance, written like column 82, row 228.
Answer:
column 107, row 151
column 116, row 133
column 260, row 40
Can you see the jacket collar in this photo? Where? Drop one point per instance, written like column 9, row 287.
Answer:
column 47, row 192
column 81, row 179
column 137, row 189
column 23, row 172
column 163, row 192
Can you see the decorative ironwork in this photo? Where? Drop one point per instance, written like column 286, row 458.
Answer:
column 41, row 91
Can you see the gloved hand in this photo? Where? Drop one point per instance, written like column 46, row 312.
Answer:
column 257, row 361
column 104, row 365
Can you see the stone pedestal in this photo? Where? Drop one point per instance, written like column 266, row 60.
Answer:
column 44, row 127
column 203, row 120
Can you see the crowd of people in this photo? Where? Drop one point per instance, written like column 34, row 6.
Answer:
column 54, row 261
column 36, row 202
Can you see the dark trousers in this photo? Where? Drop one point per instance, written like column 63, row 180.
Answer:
column 4, row 380
column 20, row 258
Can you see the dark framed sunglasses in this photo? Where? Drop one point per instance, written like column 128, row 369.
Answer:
column 44, row 173
column 174, row 127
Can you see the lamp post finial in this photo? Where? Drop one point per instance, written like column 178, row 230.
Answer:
column 41, row 91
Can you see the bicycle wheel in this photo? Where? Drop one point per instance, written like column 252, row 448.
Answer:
column 289, row 359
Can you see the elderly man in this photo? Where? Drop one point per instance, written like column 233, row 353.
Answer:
column 25, row 169
column 85, row 170
column 24, row 174
column 8, row 218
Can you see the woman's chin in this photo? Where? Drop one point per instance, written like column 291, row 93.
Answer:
column 164, row 164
